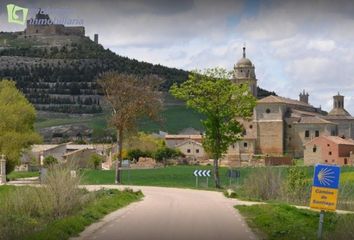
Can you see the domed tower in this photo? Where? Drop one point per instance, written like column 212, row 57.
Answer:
column 244, row 73
column 338, row 106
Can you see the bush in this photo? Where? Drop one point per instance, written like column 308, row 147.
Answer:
column 27, row 209
column 264, row 184
column 135, row 154
column 95, row 161
column 62, row 190
column 49, row 161
column 297, row 187
column 166, row 153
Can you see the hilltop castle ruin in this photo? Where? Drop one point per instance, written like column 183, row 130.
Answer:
column 43, row 25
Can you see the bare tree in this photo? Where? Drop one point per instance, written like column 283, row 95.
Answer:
column 131, row 98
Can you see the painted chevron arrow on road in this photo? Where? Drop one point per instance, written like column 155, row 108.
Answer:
column 202, row 173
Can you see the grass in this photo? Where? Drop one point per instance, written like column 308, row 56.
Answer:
column 175, row 118
column 5, row 189
column 276, row 221
column 171, row 176
column 106, row 201
column 17, row 175
column 182, row 176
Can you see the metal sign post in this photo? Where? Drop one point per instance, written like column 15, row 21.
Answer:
column 320, row 225
column 201, row 173
column 324, row 191
column 233, row 174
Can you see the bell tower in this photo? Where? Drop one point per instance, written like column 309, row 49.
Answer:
column 244, row 73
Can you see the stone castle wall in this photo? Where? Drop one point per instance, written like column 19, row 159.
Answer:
column 53, row 29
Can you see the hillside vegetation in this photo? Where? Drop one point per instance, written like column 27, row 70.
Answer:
column 58, row 73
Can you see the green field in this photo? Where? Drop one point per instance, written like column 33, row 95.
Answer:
column 182, row 176
column 17, row 175
column 274, row 221
column 177, row 176
column 174, row 119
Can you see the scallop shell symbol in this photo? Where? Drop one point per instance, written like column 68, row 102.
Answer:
column 325, row 176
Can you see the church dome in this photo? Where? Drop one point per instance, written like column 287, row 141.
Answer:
column 244, row 62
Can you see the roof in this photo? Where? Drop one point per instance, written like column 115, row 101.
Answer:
column 183, row 136
column 277, row 99
column 77, row 151
column 339, row 112
column 336, row 117
column 44, row 147
column 300, row 113
column 89, row 146
column 314, row 120
column 334, row 139
column 244, row 62
column 189, row 141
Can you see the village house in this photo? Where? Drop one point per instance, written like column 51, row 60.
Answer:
column 190, row 145
column 329, row 150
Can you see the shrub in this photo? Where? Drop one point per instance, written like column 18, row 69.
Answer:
column 95, row 161
column 263, row 184
column 297, row 187
column 63, row 190
column 49, row 160
column 166, row 153
column 135, row 154
column 27, row 209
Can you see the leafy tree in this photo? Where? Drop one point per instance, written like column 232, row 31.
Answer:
column 16, row 126
column 49, row 161
column 131, row 98
column 144, row 142
column 135, row 154
column 213, row 94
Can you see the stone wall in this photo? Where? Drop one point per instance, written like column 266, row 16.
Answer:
column 277, row 161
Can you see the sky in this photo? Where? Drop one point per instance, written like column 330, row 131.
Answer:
column 294, row 45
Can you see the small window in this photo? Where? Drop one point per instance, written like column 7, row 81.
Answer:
column 245, row 144
column 328, row 145
column 314, row 149
column 345, row 161
column 233, row 146
column 188, row 151
column 326, row 160
column 289, row 126
column 267, row 110
column 317, row 133
column 251, row 126
column 307, row 133
column 197, row 150
column 330, row 153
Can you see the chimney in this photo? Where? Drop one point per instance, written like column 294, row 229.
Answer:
column 96, row 38
column 304, row 97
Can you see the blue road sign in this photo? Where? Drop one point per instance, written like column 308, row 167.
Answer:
column 326, row 176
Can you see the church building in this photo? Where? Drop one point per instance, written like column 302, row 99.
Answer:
column 282, row 126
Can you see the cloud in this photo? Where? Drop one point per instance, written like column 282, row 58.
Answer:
column 321, row 45
column 294, row 45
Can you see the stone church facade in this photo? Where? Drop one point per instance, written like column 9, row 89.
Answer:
column 282, row 126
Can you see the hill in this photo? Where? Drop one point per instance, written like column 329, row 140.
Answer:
column 58, row 73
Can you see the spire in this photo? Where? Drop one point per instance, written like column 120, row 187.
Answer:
column 244, row 50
